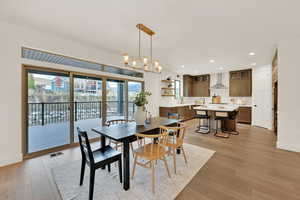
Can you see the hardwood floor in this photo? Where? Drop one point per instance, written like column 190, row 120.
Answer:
column 244, row 167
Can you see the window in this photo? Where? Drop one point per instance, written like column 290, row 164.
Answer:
column 177, row 89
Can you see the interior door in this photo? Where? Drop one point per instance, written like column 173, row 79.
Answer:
column 262, row 97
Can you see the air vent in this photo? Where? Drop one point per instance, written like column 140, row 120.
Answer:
column 43, row 56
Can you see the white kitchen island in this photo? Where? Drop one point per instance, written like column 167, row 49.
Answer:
column 229, row 125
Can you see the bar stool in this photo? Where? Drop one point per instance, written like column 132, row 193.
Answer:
column 233, row 116
column 203, row 115
column 219, row 117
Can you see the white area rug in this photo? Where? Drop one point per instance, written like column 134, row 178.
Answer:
column 107, row 185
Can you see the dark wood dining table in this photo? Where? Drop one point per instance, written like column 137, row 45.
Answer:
column 125, row 133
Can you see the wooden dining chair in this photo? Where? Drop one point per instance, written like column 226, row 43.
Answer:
column 96, row 159
column 175, row 141
column 151, row 152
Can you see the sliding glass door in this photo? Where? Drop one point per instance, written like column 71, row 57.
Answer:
column 133, row 89
column 115, row 99
column 48, row 110
column 87, row 104
column 57, row 102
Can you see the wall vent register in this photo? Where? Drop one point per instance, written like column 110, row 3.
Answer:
column 43, row 56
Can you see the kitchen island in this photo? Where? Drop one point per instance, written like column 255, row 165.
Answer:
column 227, row 125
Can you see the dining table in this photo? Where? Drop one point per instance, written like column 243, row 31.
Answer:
column 125, row 133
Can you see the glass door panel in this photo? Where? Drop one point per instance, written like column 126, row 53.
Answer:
column 115, row 99
column 87, row 104
column 133, row 89
column 48, row 110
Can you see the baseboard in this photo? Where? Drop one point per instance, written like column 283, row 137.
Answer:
column 288, row 147
column 11, row 160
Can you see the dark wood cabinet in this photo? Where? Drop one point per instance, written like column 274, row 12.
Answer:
column 187, row 85
column 185, row 112
column 196, row 86
column 240, row 83
column 245, row 115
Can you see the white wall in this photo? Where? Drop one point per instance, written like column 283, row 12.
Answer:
column 289, row 95
column 12, row 39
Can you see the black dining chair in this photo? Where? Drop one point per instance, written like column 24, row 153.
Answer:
column 202, row 115
column 96, row 159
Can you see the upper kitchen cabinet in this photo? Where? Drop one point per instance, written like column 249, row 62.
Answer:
column 187, row 85
column 196, row 86
column 240, row 83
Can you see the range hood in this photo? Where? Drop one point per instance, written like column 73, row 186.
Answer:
column 219, row 84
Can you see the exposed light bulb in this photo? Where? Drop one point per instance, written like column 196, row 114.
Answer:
column 251, row 54
column 126, row 58
column 156, row 63
column 133, row 63
column 145, row 60
column 211, row 61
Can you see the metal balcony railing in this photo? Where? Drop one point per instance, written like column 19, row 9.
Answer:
column 40, row 114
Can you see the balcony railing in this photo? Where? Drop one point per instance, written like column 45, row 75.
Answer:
column 40, row 114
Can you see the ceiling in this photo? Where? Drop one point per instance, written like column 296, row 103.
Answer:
column 189, row 33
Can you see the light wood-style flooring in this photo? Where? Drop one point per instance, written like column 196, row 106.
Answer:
column 244, row 167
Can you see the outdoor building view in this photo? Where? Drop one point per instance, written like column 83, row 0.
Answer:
column 49, row 106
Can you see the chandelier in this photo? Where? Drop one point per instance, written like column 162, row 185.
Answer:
column 143, row 63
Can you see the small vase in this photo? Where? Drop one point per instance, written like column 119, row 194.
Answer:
column 140, row 116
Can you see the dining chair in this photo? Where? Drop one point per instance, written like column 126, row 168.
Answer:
column 151, row 153
column 116, row 143
column 96, row 159
column 173, row 115
column 175, row 141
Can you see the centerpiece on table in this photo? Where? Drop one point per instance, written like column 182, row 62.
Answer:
column 140, row 101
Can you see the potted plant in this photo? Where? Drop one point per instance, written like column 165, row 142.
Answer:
column 140, row 101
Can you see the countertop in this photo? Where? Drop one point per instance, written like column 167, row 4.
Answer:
column 217, row 107
column 193, row 104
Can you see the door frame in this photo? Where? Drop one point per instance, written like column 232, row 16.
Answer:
column 24, row 103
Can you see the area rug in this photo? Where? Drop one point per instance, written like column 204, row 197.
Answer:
column 107, row 185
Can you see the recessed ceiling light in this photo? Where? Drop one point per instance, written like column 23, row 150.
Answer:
column 251, row 54
column 220, row 68
column 211, row 61
column 182, row 66
column 253, row 64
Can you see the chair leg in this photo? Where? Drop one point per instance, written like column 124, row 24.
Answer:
column 131, row 146
column 120, row 169
column 82, row 171
column 183, row 153
column 92, row 182
column 153, row 176
column 108, row 166
column 166, row 165
column 134, row 165
column 174, row 159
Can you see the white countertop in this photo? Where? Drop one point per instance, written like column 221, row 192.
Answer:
column 193, row 104
column 177, row 105
column 217, row 107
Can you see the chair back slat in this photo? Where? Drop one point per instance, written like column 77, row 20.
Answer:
column 85, row 147
column 202, row 112
column 178, row 134
column 116, row 121
column 221, row 114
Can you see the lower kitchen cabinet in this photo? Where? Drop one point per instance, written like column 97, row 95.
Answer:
column 185, row 112
column 245, row 115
